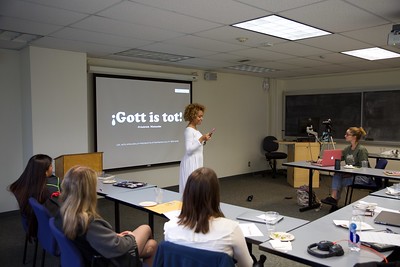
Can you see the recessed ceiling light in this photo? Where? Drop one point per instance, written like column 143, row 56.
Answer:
column 139, row 53
column 250, row 68
column 281, row 27
column 374, row 53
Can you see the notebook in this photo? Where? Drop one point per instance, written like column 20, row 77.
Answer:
column 328, row 157
column 388, row 218
column 255, row 216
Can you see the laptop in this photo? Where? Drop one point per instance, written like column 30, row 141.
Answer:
column 388, row 218
column 328, row 158
column 255, row 216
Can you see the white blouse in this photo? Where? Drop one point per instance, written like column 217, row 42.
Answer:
column 225, row 235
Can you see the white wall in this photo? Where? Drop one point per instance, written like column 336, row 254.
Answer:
column 52, row 96
column 11, row 127
column 59, row 102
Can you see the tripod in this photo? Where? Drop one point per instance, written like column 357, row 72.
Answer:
column 326, row 138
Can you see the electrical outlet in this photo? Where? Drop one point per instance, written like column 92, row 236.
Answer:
column 249, row 164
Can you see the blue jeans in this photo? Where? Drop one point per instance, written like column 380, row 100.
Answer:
column 340, row 180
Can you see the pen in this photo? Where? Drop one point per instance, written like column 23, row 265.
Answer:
column 390, row 231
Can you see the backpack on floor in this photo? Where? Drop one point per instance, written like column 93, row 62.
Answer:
column 303, row 196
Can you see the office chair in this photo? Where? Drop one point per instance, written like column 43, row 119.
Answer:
column 44, row 235
column 270, row 146
column 71, row 256
column 69, row 253
column 378, row 182
column 171, row 254
column 24, row 222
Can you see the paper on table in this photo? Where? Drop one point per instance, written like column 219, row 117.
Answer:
column 345, row 224
column 392, row 191
column 380, row 237
column 166, row 207
column 250, row 229
column 279, row 245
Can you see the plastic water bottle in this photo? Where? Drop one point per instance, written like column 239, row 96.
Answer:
column 354, row 229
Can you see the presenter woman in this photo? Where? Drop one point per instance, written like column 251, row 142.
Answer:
column 353, row 154
column 194, row 142
column 201, row 223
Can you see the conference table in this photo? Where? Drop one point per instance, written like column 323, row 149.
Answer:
column 104, row 188
column 384, row 193
column 325, row 229
column 352, row 171
column 171, row 201
column 384, row 156
column 387, row 157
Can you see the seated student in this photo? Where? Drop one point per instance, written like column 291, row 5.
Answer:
column 38, row 181
column 353, row 154
column 80, row 222
column 201, row 223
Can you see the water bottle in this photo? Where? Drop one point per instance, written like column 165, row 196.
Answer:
column 354, row 229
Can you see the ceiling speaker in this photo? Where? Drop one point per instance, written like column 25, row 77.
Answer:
column 210, row 76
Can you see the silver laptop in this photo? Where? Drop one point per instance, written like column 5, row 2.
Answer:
column 388, row 218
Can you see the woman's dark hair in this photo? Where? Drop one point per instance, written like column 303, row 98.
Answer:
column 200, row 200
column 32, row 183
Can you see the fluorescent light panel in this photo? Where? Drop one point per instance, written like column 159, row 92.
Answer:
column 374, row 53
column 139, row 53
column 18, row 37
column 250, row 68
column 281, row 27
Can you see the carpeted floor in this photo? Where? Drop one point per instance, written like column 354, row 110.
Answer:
column 268, row 194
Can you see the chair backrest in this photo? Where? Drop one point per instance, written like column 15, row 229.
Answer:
column 171, row 254
column 70, row 254
column 269, row 144
column 381, row 164
column 44, row 235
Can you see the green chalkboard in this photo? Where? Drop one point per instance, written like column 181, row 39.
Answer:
column 377, row 111
column 381, row 115
column 343, row 109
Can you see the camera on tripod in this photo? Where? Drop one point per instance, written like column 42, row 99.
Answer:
column 328, row 125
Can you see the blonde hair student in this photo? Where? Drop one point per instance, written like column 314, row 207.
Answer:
column 353, row 154
column 80, row 222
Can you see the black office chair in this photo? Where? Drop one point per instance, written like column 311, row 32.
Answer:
column 270, row 146
column 375, row 186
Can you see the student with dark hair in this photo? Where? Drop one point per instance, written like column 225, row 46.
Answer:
column 37, row 181
column 201, row 223
column 80, row 222
column 353, row 154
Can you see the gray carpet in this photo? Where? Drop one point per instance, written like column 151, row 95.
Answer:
column 268, row 194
